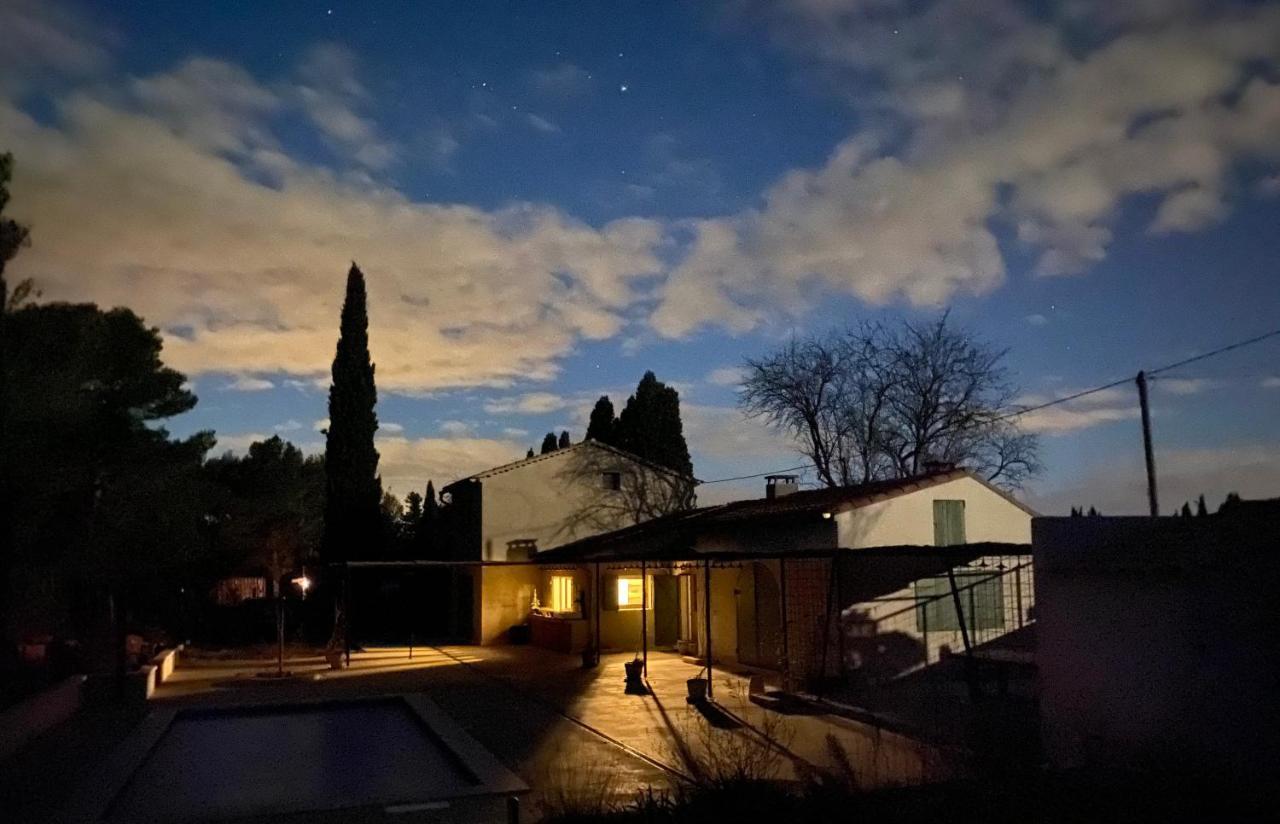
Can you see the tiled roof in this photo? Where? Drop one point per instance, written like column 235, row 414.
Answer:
column 560, row 453
column 677, row 531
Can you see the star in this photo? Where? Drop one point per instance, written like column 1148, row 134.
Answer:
column 623, row 87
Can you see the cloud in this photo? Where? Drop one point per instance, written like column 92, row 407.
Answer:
column 563, row 82
column 514, row 432
column 727, row 376
column 320, row 425
column 245, row 383
column 542, row 124
column 1270, row 382
column 456, row 428
column 201, row 195
column 1107, row 406
column 330, row 93
column 40, row 37
column 1119, row 487
column 1037, row 319
column 977, row 116
column 387, row 426
column 288, row 426
column 408, row 463
column 530, row 403
column 1185, row 386
column 238, row 444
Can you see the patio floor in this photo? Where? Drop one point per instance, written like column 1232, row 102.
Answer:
column 571, row 733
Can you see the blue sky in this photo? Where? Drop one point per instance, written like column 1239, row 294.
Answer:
column 550, row 198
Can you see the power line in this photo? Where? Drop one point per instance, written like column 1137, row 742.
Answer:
column 1240, row 344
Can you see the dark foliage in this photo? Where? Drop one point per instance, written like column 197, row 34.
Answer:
column 353, row 491
column 603, row 424
column 650, row 426
column 549, row 443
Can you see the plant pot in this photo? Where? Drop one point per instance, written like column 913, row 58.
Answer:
column 697, row 689
column 589, row 658
column 335, row 658
column 634, row 669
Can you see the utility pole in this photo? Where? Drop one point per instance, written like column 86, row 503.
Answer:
column 1153, row 499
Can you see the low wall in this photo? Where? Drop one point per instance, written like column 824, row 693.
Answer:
column 28, row 719
column 165, row 663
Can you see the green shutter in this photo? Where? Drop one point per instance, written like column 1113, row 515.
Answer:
column 981, row 601
column 948, row 523
column 609, row 593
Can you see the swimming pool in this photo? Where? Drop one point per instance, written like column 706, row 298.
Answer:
column 397, row 756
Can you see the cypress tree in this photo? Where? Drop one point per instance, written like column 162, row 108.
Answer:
column 650, row 426
column 603, row 424
column 564, row 441
column 528, row 454
column 549, row 443
column 1201, row 509
column 353, row 490
column 1186, row 510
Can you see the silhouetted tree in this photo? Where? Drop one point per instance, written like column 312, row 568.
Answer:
column 352, row 522
column 563, row 443
column 1186, row 510
column 875, row 402
column 1201, row 509
column 13, row 236
column 1075, row 512
column 650, row 426
column 412, row 509
column 1093, row 513
column 549, row 443
column 603, row 424
column 529, row 454
column 1232, row 499
column 427, row 541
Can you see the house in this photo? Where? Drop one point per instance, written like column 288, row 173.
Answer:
column 770, row 569
column 503, row 517
column 1155, row 650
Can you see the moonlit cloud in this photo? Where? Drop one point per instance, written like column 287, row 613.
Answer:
column 1107, row 406
column 246, row 383
column 727, row 376
column 1185, row 386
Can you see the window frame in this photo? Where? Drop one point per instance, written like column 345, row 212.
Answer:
column 567, row 583
column 611, row 481
column 623, row 590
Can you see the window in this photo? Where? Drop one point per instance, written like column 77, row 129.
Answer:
column 948, row 523
column 981, row 601
column 630, row 592
column 562, row 594
column 611, row 481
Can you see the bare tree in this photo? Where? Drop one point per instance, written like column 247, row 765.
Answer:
column 877, row 402
column 618, row 490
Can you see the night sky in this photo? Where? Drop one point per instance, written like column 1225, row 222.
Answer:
column 550, row 198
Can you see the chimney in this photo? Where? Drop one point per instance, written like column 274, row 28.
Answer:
column 777, row 486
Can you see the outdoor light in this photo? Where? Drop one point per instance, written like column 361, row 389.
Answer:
column 826, row 516
column 303, row 583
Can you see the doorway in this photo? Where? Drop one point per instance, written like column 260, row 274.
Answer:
column 666, row 611
column 759, row 617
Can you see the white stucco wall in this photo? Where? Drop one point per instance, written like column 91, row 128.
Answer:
column 543, row 501
column 908, row 519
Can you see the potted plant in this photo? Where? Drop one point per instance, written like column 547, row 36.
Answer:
column 697, row 689
column 589, row 657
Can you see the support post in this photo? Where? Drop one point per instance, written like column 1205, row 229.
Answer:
column 644, row 620
column 346, row 611
column 597, row 594
column 1153, row 500
column 706, row 615
column 964, row 633
column 826, row 626
column 786, row 647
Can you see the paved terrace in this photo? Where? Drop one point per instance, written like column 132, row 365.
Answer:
column 567, row 731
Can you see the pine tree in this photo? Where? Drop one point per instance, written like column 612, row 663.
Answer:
column 412, row 509
column 603, row 425
column 563, row 443
column 650, row 426
column 1201, row 509
column 1232, row 499
column 353, row 490
column 549, row 443
column 1186, row 510
column 426, row 541
column 1093, row 513
column 528, row 454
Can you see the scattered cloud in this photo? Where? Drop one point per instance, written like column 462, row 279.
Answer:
column 408, row 463
column 238, row 444
column 542, row 124
column 563, row 82
column 246, row 383
column 1119, row 487
column 456, row 428
column 1037, row 319
column 388, row 426
column 514, row 432
column 320, row 425
column 330, row 93
column 1103, row 407
column 1185, row 386
column 727, row 376
column 288, row 426
column 530, row 403
column 1270, row 382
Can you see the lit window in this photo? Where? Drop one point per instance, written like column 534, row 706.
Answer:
column 611, row 481
column 630, row 592
column 562, row 593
